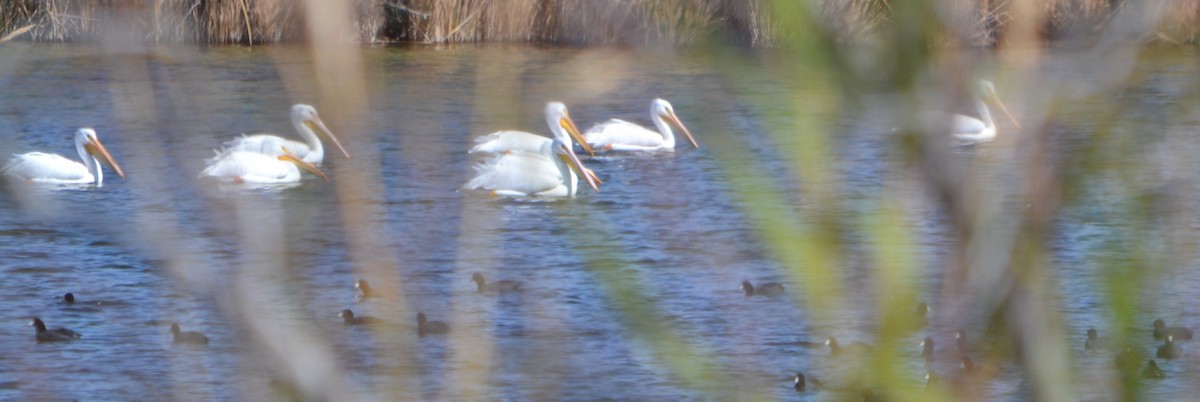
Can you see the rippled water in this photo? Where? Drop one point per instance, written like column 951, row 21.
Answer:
column 150, row 244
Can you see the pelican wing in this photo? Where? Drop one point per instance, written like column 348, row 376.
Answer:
column 961, row 124
column 957, row 124
column 509, row 140
column 621, row 132
column 265, row 144
column 44, row 167
column 251, row 167
column 517, row 172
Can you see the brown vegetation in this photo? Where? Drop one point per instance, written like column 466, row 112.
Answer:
column 557, row 21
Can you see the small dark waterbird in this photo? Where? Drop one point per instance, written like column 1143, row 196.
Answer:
column 837, row 349
column 1161, row 330
column 932, row 380
column 919, row 315
column 927, row 349
column 1127, row 359
column 1093, row 342
column 801, row 383
column 960, row 342
column 348, row 318
column 501, row 286
column 189, row 337
column 70, row 299
column 53, row 335
column 765, row 289
column 1169, row 350
column 364, row 290
column 1152, row 371
column 426, row 327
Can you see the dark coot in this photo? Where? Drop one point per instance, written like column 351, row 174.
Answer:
column 502, row 286
column 53, row 335
column 765, row 289
column 348, row 318
column 189, row 337
column 426, row 327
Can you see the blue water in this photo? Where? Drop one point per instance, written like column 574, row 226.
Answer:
column 264, row 271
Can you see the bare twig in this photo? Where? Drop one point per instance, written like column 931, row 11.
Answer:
column 15, row 33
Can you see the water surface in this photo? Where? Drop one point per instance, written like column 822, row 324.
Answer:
column 166, row 247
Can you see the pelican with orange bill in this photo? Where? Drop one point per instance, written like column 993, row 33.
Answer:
column 40, row 167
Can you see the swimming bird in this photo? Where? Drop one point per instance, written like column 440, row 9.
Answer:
column 1152, row 371
column 252, row 167
column 801, row 383
column 1169, row 350
column 552, row 172
column 307, row 123
column 501, row 286
column 857, row 347
column 53, row 335
column 932, row 380
column 803, row 344
column 364, row 289
column 40, row 167
column 960, row 342
column 971, row 129
column 1127, row 359
column 189, row 337
column 967, row 365
column 1161, row 330
column 561, row 126
column 927, row 349
column 765, row 289
column 348, row 318
column 919, row 314
column 620, row 135
column 70, row 299
column 426, row 327
column 1093, row 341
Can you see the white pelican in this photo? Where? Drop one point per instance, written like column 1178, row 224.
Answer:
column 560, row 124
column 41, row 167
column 620, row 135
column 307, row 123
column 551, row 172
column 970, row 129
column 253, row 167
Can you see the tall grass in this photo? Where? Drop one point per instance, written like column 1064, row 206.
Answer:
column 632, row 22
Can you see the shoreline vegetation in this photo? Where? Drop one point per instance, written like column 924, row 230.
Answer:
column 578, row 22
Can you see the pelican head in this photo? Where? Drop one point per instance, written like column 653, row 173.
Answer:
column 660, row 109
column 291, row 157
column 989, row 90
column 91, row 150
column 307, row 115
column 564, row 152
column 561, row 125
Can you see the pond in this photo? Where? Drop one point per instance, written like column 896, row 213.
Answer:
column 610, row 279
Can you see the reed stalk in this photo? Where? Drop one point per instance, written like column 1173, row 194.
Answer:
column 630, row 22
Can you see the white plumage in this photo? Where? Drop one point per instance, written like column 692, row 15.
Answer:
column 553, row 171
column 971, row 129
column 620, row 135
column 307, row 124
column 561, row 127
column 253, row 167
column 40, row 167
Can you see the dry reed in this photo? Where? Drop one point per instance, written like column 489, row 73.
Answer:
column 633, row 22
